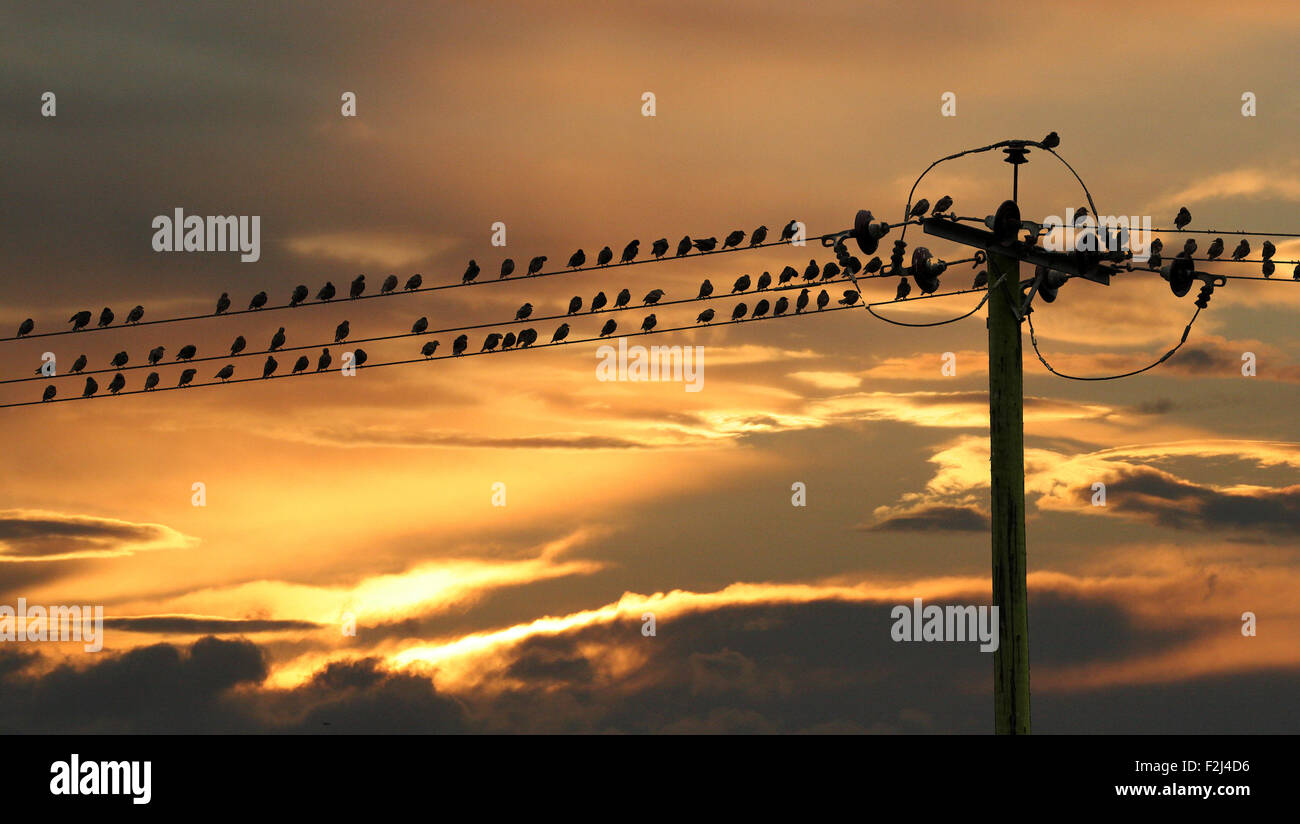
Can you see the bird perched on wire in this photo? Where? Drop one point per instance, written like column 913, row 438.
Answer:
column 342, row 331
column 683, row 245
column 788, row 274
column 598, row 302
column 742, row 283
column 429, row 348
column 823, row 298
column 575, row 305
column 649, row 322
column 653, row 296
column 659, row 248
column 471, row 272
column 604, row 256
column 414, row 281
column 919, row 208
column 733, row 239
column 527, row 337
column 707, row 244
column 419, row 326
column 738, row 312
column 509, row 340
column 151, row 381
column 80, row 320
column 1242, row 250
column 223, row 303
column 134, row 315
column 258, row 301
column 1080, row 217
column 705, row 317
column 577, row 259
column 79, row 364
column 851, row 265
column 1051, row 141
column 298, row 296
column 187, row 376
column 277, row 340
column 1295, row 273
column 106, row 317
column 1216, row 248
column 524, row 311
column 811, row 271
column 389, row 284
column 1183, row 218
column 119, row 360
column 1266, row 251
column 49, row 393
column 829, row 271
column 323, row 362
column 237, row 346
column 92, row 386
column 944, row 204
column 326, row 292
column 764, row 280
column 535, row 265
column 116, row 384
column 560, row 333
column 269, row 367
column 229, row 370
column 872, row 266
column 155, row 355
column 630, row 252
column 608, row 328
column 299, row 365
column 187, row 351
column 1189, row 246
column 1268, row 268
column 904, row 288
column 359, row 357
column 782, row 304
column 789, row 230
column 507, row 268
column 981, row 279
column 760, row 309
column 26, row 327
column 801, row 303
column 757, row 237
column 850, row 298
column 491, row 342
column 622, row 298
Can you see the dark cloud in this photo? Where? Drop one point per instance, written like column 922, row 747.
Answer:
column 189, row 625
column 935, row 518
column 1180, row 504
column 33, row 535
column 374, row 437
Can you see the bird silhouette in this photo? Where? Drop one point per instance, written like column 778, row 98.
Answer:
column 79, row 364
column 811, row 271
column 659, row 248
column 782, row 304
column 1295, row 273
column 1216, row 248
column 707, row 244
column 342, row 331
column 705, row 317
column 135, row 314
column 1157, row 245
column 733, row 239
column 851, row 265
column 653, row 296
column 788, row 231
column 801, row 302
column 326, row 292
column 527, row 337
column 944, row 204
column 850, row 298
column 764, row 280
column 760, row 309
column 419, row 326
column 1051, row 141
column 151, row 381
column 238, row 345
column 155, row 355
column 269, row 367
column 1189, row 246
column 577, row 259
column 26, row 327
column 229, row 369
column 429, row 348
column 788, row 274
column 829, row 271
column 758, row 236
column 872, row 266
column 299, row 295
column 119, row 360
column 738, row 312
column 1268, row 268
column 49, row 393
column 904, row 288
column 630, row 252
column 575, row 305
column 981, row 279
column 649, row 323
column 1266, row 251
column 605, row 256
column 491, row 342
column 116, row 384
column 187, row 376
column 1080, row 217
column 413, row 283
column 507, row 268
column 823, row 298
column 741, row 284
column 1153, row 262
column 323, row 362
column 471, row 272
column 919, row 208
column 459, row 345
column 683, row 245
column 223, row 303
column 92, row 386
column 79, row 320
column 258, row 301
column 622, row 298
column 1183, row 218
column 106, row 317
column 560, row 333
column 509, row 340
column 608, row 328
column 524, row 311
column 359, row 357
column 277, row 340
column 535, row 265
column 188, row 351
column 706, row 289
column 389, row 284
column 599, row 301
column 1242, row 250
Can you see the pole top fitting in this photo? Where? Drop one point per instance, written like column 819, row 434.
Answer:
column 1015, row 153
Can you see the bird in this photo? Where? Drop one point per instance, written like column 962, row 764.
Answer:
column 605, row 256
column 49, row 393
column 506, row 342
column 359, row 357
column 829, row 271
column 507, row 268
column 919, row 208
column 1183, row 218
column 277, row 340
column 801, row 302
column 326, row 292
column 91, row 388
column 757, row 237
column 229, row 369
column 459, row 345
column 1189, row 246
column 823, row 298
column 622, row 298
column 733, row 239
column 238, row 345
column 1051, row 141
column 79, row 364
column 1080, row 217
column 151, row 381
column 419, row 326
column 608, row 328
column 120, row 359
column 851, row 265
column 1157, row 245
column 471, row 272
column 1242, row 250
column 782, row 304
column 575, row 305
column 527, row 337
column 872, row 266
column 535, row 265
column 788, row 231
column 414, row 281
column 269, row 367
column 106, row 317
column 760, row 309
column 741, row 284
column 299, row 295
column 944, row 204
column 429, row 348
column 491, row 342
column 981, row 279
column 135, row 314
column 188, row 351
column 155, row 355
column 1268, row 268
column 116, row 384
column 850, row 298
column 705, row 317
column 630, row 252
column 187, row 376
column 1154, row 260
column 788, row 274
column 258, row 301
column 577, row 259
column 707, row 244
column 1216, row 248
column 653, row 296
column 223, row 303
column 811, row 271
column 649, row 322
column 524, row 311
column 26, row 327
column 904, row 288
column 342, row 331
column 659, row 247
column 323, row 362
column 739, row 311
column 1295, row 273
column 561, row 333
column 599, row 301
column 79, row 320
column 764, row 280
column 684, row 245
column 1266, row 251
column 389, row 284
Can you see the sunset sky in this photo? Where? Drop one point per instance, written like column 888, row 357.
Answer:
column 372, row 495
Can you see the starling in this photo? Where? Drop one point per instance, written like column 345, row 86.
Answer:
column 135, row 314
column 789, row 231
column 277, row 340
column 535, row 265
column 707, row 244
column 630, row 252
column 524, row 311
column 187, row 376
column 1183, row 218
column 151, row 381
column 811, row 271
column 1189, row 246
column 429, row 348
column 414, row 282
column 258, row 301
column 872, row 266
column 684, row 245
column 506, row 342
column 229, row 369
column 1216, row 248
column 560, row 333
column 598, row 302
column 119, row 360
column 389, row 284
column 801, row 302
column 155, row 355
column 1268, row 268
column 507, row 268
column 323, row 362
column 1266, row 251
column 622, row 299
column 705, row 317
column 575, row 305
column 764, row 280
column 1051, row 141
column 1242, row 250
column 659, row 248
column 608, row 328
column 91, row 388
column 733, row 239
column 359, row 357
column 759, row 235
column 742, row 283
column 491, row 342
column 944, row 204
column 49, row 393
column 1157, row 246
column 223, row 303
column 326, row 292
column 459, row 345
column 760, row 309
column 653, row 296
column 788, row 274
column 238, row 345
column 298, row 296
column 739, row 311
column 26, row 327
column 267, row 368
column 823, row 298
column 850, row 298
column 604, row 256
column 782, row 304
column 829, row 271
column 577, row 259
column 188, row 351
column 1080, row 217
column 919, row 208
column 79, row 364
column 904, row 288
column 79, row 320
column 471, row 272
column 419, row 326
column 981, row 279
column 106, row 317
column 527, row 337
column 649, row 322
column 851, row 265
column 116, row 384
column 342, row 331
